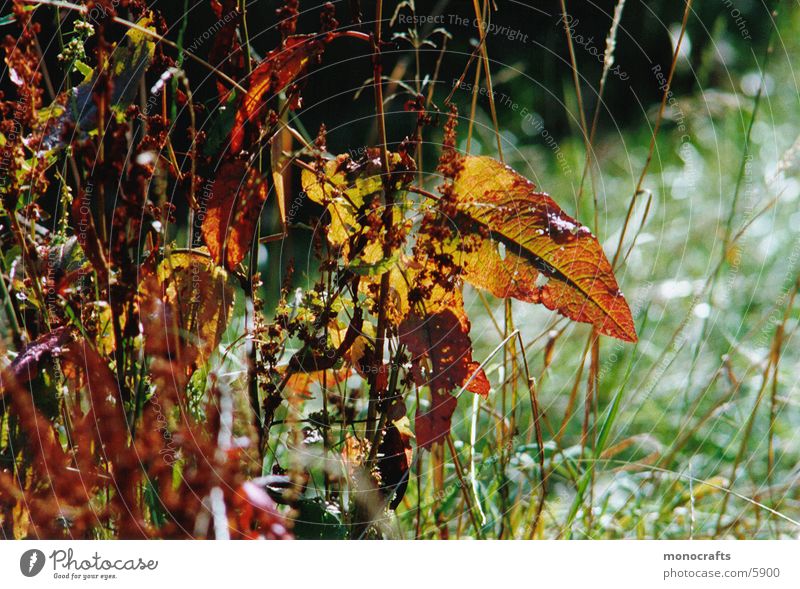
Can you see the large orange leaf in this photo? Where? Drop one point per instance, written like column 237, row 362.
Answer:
column 528, row 248
column 232, row 210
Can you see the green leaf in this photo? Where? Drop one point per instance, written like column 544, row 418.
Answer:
column 364, row 268
column 318, row 520
column 221, row 127
column 10, row 19
column 128, row 64
column 83, row 68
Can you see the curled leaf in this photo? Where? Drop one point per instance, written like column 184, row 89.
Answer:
column 279, row 68
column 529, row 249
column 442, row 359
column 394, row 460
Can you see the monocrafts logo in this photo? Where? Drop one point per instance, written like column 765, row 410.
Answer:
column 31, row 562
column 67, row 565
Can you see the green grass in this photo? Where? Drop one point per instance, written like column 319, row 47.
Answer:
column 689, row 433
column 694, row 431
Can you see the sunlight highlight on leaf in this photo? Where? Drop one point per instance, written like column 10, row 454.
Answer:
column 237, row 195
column 546, row 256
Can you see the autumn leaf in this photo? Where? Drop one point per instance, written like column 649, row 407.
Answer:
column 434, row 424
column 349, row 189
column 529, row 249
column 344, row 194
column 441, row 349
column 278, row 69
column 395, row 456
column 203, row 296
column 185, row 309
column 232, row 210
column 301, row 385
column 354, row 453
column 27, row 365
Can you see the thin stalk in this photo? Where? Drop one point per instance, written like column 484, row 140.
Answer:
column 462, row 483
column 774, row 359
column 377, row 353
column 488, row 73
column 540, row 448
column 579, row 95
column 656, row 128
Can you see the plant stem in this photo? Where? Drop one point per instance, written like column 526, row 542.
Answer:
column 377, row 352
column 656, row 128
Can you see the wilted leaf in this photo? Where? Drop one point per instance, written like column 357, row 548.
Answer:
column 279, row 68
column 27, row 365
column 394, row 459
column 442, row 359
column 529, row 249
column 184, row 311
column 237, row 195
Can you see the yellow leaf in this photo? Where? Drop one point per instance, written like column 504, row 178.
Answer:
column 203, row 296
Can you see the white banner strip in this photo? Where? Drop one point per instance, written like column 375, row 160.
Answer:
column 389, row 565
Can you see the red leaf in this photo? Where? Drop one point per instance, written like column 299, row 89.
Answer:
column 280, row 67
column 394, row 460
column 433, row 425
column 443, row 339
column 237, row 196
